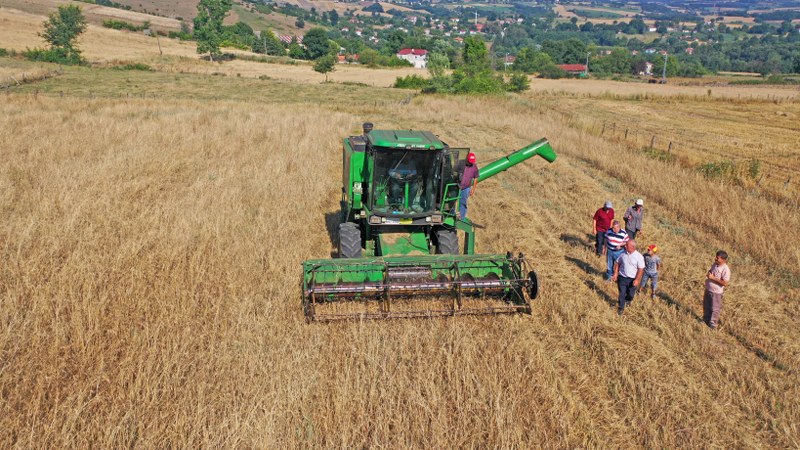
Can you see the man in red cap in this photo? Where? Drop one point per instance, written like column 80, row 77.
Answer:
column 469, row 183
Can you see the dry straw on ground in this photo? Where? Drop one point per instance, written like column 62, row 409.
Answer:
column 150, row 268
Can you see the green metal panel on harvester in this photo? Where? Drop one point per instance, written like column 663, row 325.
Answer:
column 405, row 139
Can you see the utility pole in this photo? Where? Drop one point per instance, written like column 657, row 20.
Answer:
column 586, row 70
column 476, row 18
column 664, row 71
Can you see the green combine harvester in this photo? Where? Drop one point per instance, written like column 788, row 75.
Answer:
column 398, row 236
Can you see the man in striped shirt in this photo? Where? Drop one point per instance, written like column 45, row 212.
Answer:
column 616, row 238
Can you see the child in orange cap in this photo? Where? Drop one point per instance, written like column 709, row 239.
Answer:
column 652, row 264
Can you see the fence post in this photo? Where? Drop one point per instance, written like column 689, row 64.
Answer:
column 653, row 141
column 626, row 134
column 603, row 130
column 669, row 149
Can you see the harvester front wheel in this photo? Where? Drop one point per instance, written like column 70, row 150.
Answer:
column 447, row 242
column 533, row 285
column 349, row 240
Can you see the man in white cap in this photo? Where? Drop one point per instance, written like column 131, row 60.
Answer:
column 633, row 218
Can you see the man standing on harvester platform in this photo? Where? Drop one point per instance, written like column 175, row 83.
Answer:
column 469, row 183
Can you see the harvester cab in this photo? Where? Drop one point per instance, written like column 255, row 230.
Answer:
column 399, row 252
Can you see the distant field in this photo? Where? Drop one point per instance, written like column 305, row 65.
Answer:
column 595, row 14
column 278, row 23
column 623, row 89
column 151, row 252
column 95, row 14
column 185, row 9
column 108, row 47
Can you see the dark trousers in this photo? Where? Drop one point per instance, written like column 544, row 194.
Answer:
column 631, row 233
column 626, row 290
column 600, row 242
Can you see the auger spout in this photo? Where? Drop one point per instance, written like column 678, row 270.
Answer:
column 540, row 147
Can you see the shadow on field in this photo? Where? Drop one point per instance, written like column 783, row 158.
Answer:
column 576, row 241
column 666, row 298
column 332, row 220
column 587, row 268
column 749, row 346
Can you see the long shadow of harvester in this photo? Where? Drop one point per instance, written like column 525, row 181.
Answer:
column 332, row 220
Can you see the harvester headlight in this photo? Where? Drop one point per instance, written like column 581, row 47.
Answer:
column 436, row 218
column 374, row 220
column 428, row 219
column 358, row 188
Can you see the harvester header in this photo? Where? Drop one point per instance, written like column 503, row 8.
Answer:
column 398, row 244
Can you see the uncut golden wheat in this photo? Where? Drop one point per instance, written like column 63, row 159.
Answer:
column 150, row 256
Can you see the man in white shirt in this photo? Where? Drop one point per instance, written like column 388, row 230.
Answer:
column 628, row 270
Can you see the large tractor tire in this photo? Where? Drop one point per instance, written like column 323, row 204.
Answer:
column 349, row 240
column 446, row 242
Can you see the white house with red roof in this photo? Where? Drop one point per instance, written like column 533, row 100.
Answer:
column 416, row 56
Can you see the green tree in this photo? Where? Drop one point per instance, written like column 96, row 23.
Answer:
column 208, row 25
column 475, row 75
column 62, row 30
column 476, row 57
column 296, row 51
column 334, row 17
column 519, row 82
column 300, row 23
column 325, row 64
column 369, row 57
column 316, row 42
column 269, row 44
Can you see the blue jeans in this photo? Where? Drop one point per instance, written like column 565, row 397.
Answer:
column 462, row 202
column 611, row 257
column 646, row 276
column 626, row 291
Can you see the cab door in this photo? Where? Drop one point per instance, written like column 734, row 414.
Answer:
column 451, row 175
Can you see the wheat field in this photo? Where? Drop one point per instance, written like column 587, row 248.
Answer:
column 150, row 273
column 154, row 224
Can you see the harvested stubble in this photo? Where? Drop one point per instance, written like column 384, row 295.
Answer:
column 150, row 291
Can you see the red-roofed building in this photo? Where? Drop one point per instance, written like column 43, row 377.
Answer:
column 287, row 39
column 573, row 69
column 416, row 56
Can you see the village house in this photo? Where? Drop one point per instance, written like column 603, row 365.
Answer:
column 573, row 69
column 416, row 56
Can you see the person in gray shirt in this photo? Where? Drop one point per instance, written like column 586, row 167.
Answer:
column 633, row 218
